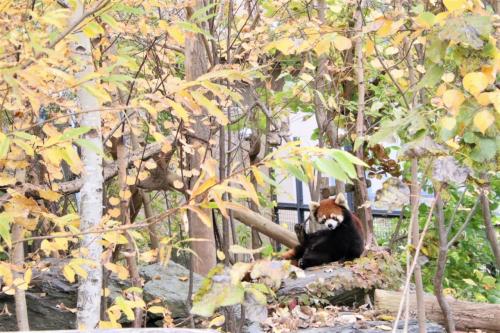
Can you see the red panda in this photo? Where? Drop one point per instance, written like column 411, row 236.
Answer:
column 343, row 238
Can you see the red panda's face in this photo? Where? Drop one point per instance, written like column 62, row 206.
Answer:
column 329, row 211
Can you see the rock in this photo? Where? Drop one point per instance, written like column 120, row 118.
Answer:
column 48, row 298
column 170, row 284
column 51, row 296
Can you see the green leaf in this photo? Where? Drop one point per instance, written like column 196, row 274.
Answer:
column 191, row 27
column 5, row 221
column 74, row 132
column 431, row 78
column 84, row 143
column 4, row 145
column 25, row 136
column 348, row 156
column 126, row 309
column 93, row 29
column 296, row 171
column 484, row 151
column 201, row 15
column 331, row 168
column 108, row 19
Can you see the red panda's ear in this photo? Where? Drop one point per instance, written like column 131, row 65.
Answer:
column 313, row 207
column 341, row 200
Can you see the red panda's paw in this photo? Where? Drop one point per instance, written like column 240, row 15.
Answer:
column 290, row 254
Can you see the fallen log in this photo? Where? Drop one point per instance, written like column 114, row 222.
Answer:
column 345, row 283
column 467, row 315
column 267, row 227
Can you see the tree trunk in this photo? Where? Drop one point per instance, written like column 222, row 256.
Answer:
column 125, row 217
column 441, row 266
column 415, row 236
column 468, row 316
column 89, row 291
column 490, row 230
column 20, row 295
column 364, row 210
column 196, row 65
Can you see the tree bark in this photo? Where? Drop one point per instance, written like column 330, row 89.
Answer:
column 267, row 227
column 415, row 236
column 20, row 295
column 490, row 230
column 467, row 315
column 125, row 217
column 441, row 266
column 196, row 65
column 89, row 291
column 364, row 210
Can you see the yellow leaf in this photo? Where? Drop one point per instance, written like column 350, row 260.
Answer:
column 115, row 212
column 113, row 201
column 386, row 28
column 217, row 321
column 121, row 271
column 97, row 91
column 490, row 73
column 49, row 195
column 220, row 255
column 342, row 43
column 4, row 145
column 6, row 274
column 441, row 89
column 201, row 188
column 157, row 309
column 453, row 98
column 448, row 77
column 252, row 193
column 176, row 33
column 151, row 109
column 178, row 184
column 204, row 217
column 284, row 45
column 178, row 110
column 79, row 270
column 69, row 274
column 7, row 180
column 27, row 275
column 258, row 176
column 211, row 107
column 220, row 204
column 448, row 123
column 483, row 120
column 452, row 144
column 20, row 284
column 452, row 5
column 369, row 48
column 322, row 47
column 475, row 82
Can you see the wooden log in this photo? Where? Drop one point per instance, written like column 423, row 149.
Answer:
column 267, row 227
column 467, row 315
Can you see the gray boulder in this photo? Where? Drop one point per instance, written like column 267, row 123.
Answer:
column 170, row 284
column 51, row 299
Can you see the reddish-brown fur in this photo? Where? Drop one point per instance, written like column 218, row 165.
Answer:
column 327, row 207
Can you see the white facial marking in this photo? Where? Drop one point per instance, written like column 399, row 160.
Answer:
column 331, row 224
column 340, row 218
